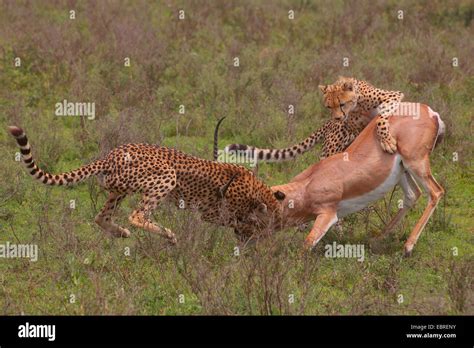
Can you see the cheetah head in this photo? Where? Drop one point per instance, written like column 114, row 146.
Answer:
column 262, row 217
column 340, row 98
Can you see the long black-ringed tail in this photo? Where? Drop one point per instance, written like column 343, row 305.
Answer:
column 277, row 155
column 216, row 141
column 68, row 178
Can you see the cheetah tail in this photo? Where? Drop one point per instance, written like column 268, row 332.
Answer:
column 68, row 178
column 276, row 155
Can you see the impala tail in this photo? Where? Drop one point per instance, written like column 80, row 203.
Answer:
column 68, row 178
column 216, row 139
column 441, row 127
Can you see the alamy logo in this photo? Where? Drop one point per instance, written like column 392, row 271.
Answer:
column 402, row 109
column 236, row 157
column 13, row 251
column 75, row 109
column 37, row 331
column 345, row 251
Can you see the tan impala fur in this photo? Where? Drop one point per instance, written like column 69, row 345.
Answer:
column 349, row 181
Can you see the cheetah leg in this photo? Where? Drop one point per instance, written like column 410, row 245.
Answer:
column 387, row 141
column 150, row 199
column 104, row 218
column 329, row 147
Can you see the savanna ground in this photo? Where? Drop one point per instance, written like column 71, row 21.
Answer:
column 427, row 55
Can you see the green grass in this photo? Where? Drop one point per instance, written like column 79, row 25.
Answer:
column 189, row 63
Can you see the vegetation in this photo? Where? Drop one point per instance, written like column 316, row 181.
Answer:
column 190, row 62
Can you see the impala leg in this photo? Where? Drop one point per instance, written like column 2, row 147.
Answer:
column 151, row 197
column 422, row 173
column 255, row 169
column 140, row 217
column 322, row 224
column 411, row 194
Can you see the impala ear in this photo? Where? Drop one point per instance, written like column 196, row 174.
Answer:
column 262, row 208
column 323, row 88
column 279, row 195
column 348, row 86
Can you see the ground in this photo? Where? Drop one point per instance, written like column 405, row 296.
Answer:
column 182, row 78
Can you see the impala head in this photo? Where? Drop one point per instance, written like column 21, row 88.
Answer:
column 340, row 98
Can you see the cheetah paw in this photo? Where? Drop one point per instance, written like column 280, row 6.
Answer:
column 389, row 145
column 119, row 232
column 171, row 237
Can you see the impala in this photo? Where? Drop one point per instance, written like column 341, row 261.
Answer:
column 348, row 182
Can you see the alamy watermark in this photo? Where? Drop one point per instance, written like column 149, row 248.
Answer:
column 237, row 157
column 13, row 251
column 401, row 109
column 335, row 250
column 66, row 108
column 28, row 330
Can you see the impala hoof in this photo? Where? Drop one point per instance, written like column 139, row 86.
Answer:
column 308, row 245
column 408, row 251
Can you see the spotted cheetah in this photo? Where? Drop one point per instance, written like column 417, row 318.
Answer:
column 339, row 132
column 350, row 95
column 224, row 194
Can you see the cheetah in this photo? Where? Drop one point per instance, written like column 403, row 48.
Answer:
column 349, row 95
column 224, row 194
column 339, row 132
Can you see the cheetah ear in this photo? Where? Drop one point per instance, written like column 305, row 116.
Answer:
column 262, row 208
column 323, row 88
column 348, row 86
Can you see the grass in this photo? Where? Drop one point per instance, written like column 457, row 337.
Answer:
column 190, row 63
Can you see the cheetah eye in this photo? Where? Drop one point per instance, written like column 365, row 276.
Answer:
column 342, row 105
